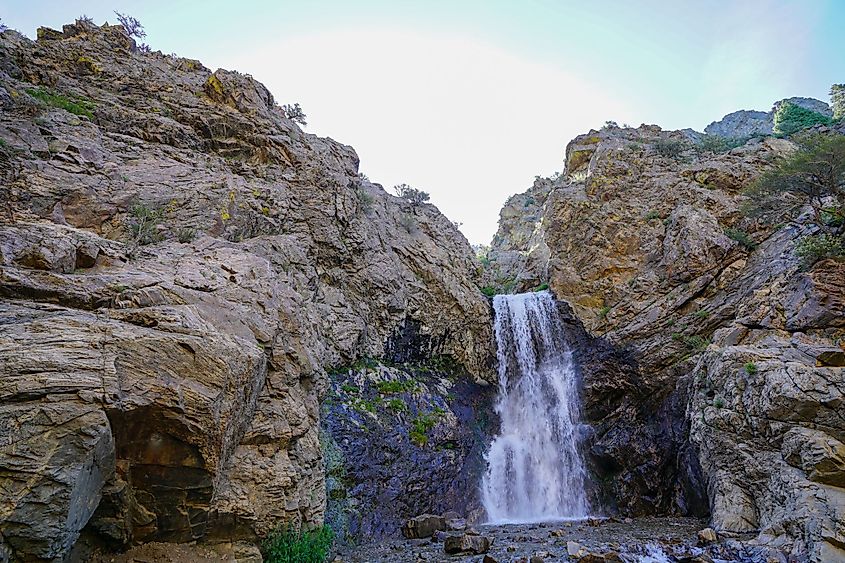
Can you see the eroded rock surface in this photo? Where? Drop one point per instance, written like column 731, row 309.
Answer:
column 179, row 263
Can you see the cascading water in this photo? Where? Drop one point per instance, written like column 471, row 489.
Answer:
column 534, row 472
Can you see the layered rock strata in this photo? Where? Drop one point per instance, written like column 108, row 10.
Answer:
column 179, row 264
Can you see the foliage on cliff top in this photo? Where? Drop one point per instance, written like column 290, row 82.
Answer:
column 717, row 144
column 813, row 175
column 134, row 29
column 791, row 118
column 289, row 546
column 295, row 113
column 412, row 195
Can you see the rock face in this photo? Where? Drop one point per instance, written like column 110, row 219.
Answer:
column 717, row 372
column 749, row 123
column 401, row 442
column 518, row 254
column 179, row 264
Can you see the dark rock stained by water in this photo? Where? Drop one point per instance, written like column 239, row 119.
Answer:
column 637, row 441
column 414, row 448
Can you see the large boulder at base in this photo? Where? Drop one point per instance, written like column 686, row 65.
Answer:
column 466, row 543
column 423, row 526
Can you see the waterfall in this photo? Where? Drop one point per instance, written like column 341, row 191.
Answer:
column 534, row 471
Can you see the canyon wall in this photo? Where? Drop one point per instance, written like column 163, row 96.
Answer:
column 720, row 388
column 179, row 265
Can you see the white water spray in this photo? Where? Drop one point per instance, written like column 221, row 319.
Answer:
column 534, row 471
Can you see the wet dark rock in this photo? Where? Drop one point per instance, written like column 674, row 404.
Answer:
column 626, row 418
column 401, row 441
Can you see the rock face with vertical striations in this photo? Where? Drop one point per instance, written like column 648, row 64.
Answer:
column 179, row 264
column 713, row 366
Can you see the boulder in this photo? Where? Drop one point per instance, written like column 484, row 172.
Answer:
column 466, row 543
column 707, row 536
column 575, row 549
column 423, row 526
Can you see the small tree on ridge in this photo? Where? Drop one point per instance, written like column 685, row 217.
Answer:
column 412, row 195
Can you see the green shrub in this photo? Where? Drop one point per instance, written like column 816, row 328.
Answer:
column 143, row 224
column 812, row 175
column 397, row 405
column 364, row 364
column 718, row 402
column 602, row 314
column 791, row 118
column 652, row 215
column 696, row 343
column 813, row 248
column 294, row 113
column 396, row 386
column 541, row 287
column 365, row 199
column 412, row 195
column 702, row 314
column 408, row 223
column 422, row 424
column 833, row 216
column 346, row 388
column 671, row 148
column 740, row 236
column 488, row 290
column 289, row 546
column 718, row 144
column 750, row 368
column 186, row 235
column 77, row 106
column 482, row 252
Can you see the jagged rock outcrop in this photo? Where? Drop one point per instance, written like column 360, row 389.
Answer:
column 724, row 376
column 518, row 254
column 748, row 123
column 179, row 264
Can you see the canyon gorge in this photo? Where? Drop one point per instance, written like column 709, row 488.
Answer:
column 212, row 327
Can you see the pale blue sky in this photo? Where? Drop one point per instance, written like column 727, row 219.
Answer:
column 470, row 100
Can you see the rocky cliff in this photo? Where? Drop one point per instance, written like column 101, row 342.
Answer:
column 179, row 265
column 748, row 123
column 720, row 388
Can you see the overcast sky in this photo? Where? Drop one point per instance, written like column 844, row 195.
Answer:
column 470, row 100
